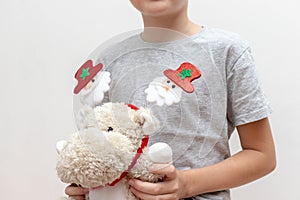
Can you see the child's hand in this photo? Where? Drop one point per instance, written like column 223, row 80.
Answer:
column 172, row 187
column 76, row 192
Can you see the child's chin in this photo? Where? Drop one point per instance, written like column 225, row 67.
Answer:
column 156, row 8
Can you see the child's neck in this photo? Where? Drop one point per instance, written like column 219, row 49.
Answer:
column 179, row 22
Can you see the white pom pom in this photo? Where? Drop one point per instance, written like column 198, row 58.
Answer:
column 160, row 153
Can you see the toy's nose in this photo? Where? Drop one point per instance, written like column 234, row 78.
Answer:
column 110, row 129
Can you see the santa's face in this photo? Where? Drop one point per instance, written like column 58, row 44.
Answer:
column 93, row 93
column 89, row 87
column 163, row 91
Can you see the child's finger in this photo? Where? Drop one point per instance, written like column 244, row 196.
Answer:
column 164, row 169
column 72, row 190
column 81, row 197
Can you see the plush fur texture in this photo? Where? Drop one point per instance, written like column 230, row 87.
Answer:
column 105, row 146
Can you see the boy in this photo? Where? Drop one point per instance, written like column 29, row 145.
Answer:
column 246, row 108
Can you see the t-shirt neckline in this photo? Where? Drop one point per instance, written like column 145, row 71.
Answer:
column 186, row 37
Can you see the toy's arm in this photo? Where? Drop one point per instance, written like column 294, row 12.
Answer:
column 157, row 153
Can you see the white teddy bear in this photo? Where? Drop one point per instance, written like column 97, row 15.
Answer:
column 110, row 148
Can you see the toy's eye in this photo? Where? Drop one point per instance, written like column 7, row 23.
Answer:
column 110, row 129
column 168, row 81
column 173, row 86
column 93, row 80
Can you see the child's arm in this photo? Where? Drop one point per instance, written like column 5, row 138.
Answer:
column 255, row 160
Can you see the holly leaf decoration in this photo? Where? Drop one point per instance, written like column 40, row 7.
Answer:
column 185, row 73
column 85, row 73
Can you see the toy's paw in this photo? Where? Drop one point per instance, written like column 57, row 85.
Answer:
column 160, row 153
column 60, row 145
column 149, row 122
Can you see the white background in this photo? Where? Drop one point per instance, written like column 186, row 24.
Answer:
column 42, row 43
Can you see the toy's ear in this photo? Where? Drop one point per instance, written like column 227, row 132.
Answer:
column 149, row 122
column 60, row 145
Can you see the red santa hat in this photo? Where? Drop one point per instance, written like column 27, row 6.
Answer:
column 184, row 75
column 85, row 74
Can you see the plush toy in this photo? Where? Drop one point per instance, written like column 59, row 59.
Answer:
column 109, row 149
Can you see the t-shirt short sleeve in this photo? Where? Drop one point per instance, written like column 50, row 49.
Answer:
column 246, row 100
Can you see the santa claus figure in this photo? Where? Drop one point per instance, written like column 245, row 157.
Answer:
column 167, row 90
column 92, row 83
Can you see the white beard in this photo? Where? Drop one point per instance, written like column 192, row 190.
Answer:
column 94, row 95
column 156, row 93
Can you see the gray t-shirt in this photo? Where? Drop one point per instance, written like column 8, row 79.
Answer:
column 197, row 125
